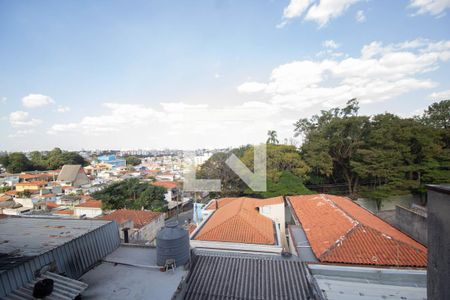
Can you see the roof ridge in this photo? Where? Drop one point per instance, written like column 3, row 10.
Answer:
column 257, row 228
column 220, row 223
column 366, row 227
column 378, row 219
column 340, row 241
column 328, row 200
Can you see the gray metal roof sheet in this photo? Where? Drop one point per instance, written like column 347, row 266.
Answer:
column 27, row 236
column 246, row 277
column 63, row 288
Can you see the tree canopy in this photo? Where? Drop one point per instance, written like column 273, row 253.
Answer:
column 377, row 156
column 133, row 160
column 286, row 171
column 132, row 194
column 17, row 162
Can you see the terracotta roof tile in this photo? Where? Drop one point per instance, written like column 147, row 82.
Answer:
column 51, row 204
column 165, row 184
column 34, row 176
column 11, row 192
column 91, row 204
column 340, row 231
column 238, row 221
column 5, row 198
column 32, row 183
column 140, row 218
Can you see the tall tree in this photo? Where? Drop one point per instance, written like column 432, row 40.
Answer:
column 331, row 141
column 272, row 137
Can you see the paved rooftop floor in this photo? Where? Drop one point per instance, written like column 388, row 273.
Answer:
column 131, row 273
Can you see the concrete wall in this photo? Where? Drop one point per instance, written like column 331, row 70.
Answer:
column 276, row 213
column 90, row 212
column 411, row 223
column 438, row 242
column 149, row 231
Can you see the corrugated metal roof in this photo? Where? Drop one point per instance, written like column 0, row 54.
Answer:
column 71, row 246
column 225, row 276
column 64, row 288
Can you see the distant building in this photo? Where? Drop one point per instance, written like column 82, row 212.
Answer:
column 35, row 177
column 171, row 187
column 30, row 186
column 112, row 160
column 245, row 224
column 335, row 230
column 89, row 209
column 73, row 175
column 143, row 225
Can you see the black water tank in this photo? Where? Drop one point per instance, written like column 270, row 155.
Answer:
column 172, row 242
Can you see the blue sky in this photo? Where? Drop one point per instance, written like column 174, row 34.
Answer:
column 191, row 74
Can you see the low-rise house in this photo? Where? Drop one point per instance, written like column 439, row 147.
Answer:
column 339, row 231
column 29, row 177
column 89, row 209
column 242, row 224
column 171, row 187
column 11, row 180
column 30, row 186
column 143, row 225
column 73, row 175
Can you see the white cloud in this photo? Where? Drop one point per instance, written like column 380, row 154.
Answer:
column 21, row 133
column 326, row 10
column 432, row 7
column 438, row 96
column 22, row 119
column 3, row 100
column 319, row 11
column 330, row 44
column 382, row 72
column 62, row 109
column 178, row 124
column 36, row 100
column 360, row 17
column 251, row 87
column 296, row 8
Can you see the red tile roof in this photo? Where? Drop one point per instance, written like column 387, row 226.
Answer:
column 32, row 183
column 238, row 221
column 140, row 218
column 165, row 184
column 5, row 198
column 340, row 231
column 11, row 192
column 91, row 204
column 34, row 176
column 51, row 204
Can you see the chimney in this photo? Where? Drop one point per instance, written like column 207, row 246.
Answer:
column 126, row 239
column 438, row 223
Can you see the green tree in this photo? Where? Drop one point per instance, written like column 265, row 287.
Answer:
column 273, row 137
column 331, row 141
column 132, row 194
column 133, row 160
column 17, row 162
column 285, row 169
